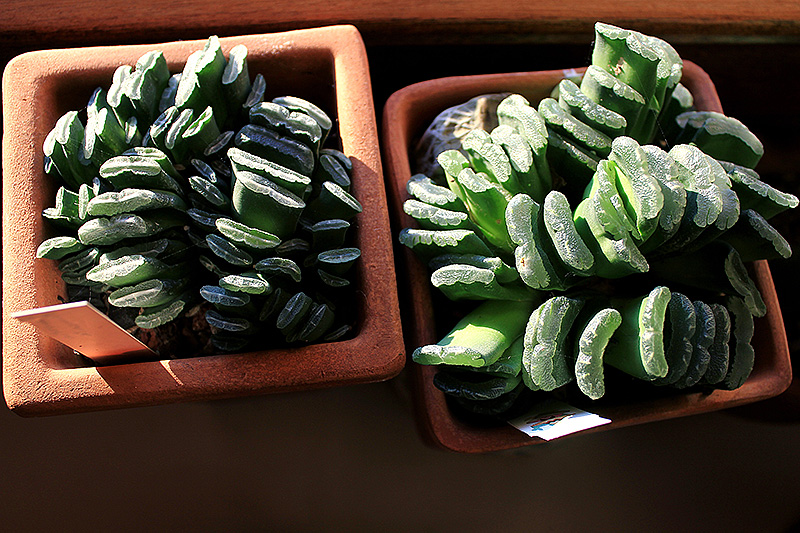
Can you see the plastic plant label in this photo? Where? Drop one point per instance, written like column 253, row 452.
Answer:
column 83, row 328
column 553, row 419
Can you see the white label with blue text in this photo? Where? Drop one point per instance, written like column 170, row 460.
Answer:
column 553, row 419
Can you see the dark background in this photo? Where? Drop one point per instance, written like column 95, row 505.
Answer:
column 350, row 459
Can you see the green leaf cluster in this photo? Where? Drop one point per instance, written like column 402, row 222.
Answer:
column 196, row 191
column 609, row 224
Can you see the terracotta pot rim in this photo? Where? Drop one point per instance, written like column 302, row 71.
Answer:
column 405, row 114
column 34, row 386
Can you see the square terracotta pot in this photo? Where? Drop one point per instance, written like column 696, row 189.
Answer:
column 327, row 66
column 406, row 115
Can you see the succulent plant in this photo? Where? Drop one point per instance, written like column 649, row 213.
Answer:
column 188, row 191
column 614, row 177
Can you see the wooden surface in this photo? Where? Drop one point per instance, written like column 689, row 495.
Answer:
column 349, row 460
column 67, row 22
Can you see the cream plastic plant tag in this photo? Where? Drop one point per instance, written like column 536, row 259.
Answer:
column 83, row 328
